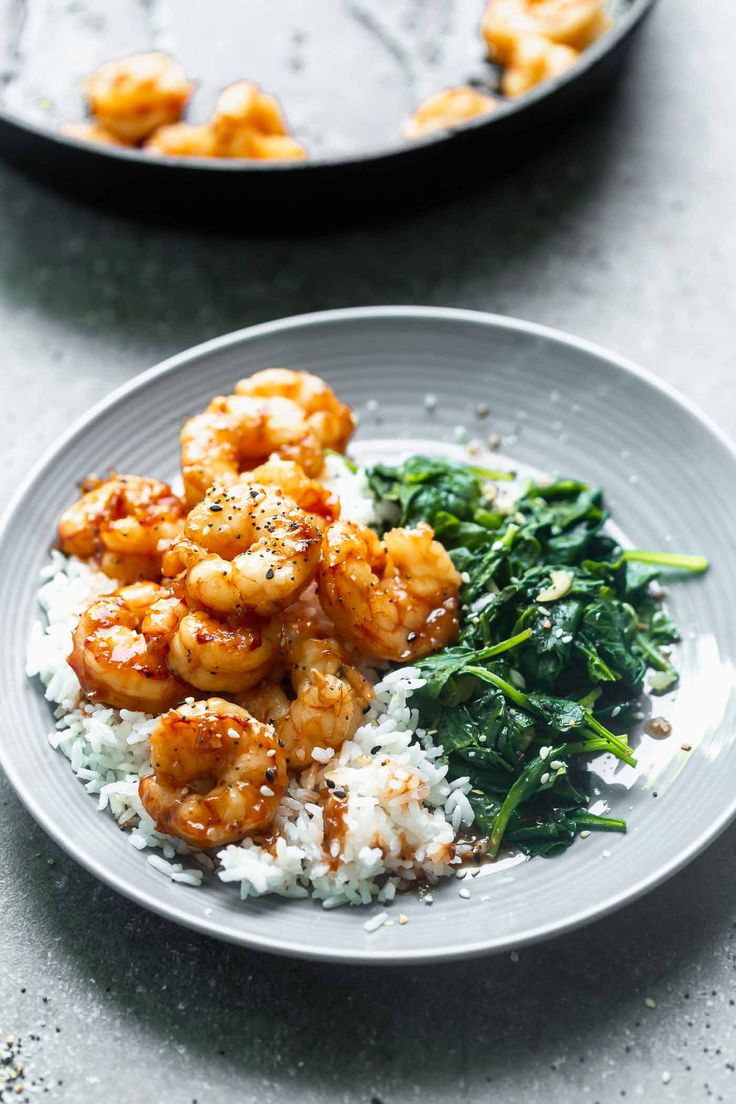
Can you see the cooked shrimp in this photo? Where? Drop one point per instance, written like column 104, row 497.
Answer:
column 236, row 433
column 574, row 23
column 120, row 646
column 449, row 108
column 330, row 699
column 182, row 140
column 535, row 60
column 395, row 599
column 322, row 505
column 332, row 421
column 218, row 774
column 249, row 123
column 132, row 96
column 245, row 547
column 223, row 655
column 125, row 523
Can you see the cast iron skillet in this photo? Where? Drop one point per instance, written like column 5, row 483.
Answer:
column 330, row 182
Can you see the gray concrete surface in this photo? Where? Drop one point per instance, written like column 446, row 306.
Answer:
column 623, row 233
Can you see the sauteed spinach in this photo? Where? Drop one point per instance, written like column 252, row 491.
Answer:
column 559, row 628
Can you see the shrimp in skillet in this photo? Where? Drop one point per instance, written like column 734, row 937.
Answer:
column 238, row 432
column 395, row 599
column 329, row 699
column 332, row 421
column 120, row 647
column 124, row 522
column 247, row 122
column 218, row 774
column 245, row 547
column 130, row 97
column 571, row 23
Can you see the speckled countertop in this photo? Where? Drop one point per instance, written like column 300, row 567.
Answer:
column 623, row 233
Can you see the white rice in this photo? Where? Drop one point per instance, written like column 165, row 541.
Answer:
column 400, row 817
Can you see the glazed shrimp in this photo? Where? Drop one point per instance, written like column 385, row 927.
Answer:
column 245, row 547
column 124, row 522
column 330, row 699
column 322, row 505
column 120, row 646
column 223, row 655
column 218, row 774
column 332, row 421
column 237, row 432
column 130, row 97
column 395, row 599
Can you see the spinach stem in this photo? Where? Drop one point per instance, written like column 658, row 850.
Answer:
column 601, row 824
column 504, row 645
column 676, row 560
column 496, row 476
column 597, row 743
column 654, row 655
column 591, row 698
column 614, row 741
column 524, row 786
column 510, row 691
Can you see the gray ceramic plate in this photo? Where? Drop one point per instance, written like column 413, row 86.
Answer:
column 559, row 404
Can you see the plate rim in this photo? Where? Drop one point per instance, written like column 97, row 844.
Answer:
column 591, row 56
column 366, row 955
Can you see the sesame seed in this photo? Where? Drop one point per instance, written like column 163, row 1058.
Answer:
column 266, row 791
column 606, row 854
column 545, row 778
column 514, row 956
column 430, row 401
column 666, row 1077
column 650, row 1002
column 465, row 893
column 584, row 834
column 403, row 918
column 544, row 752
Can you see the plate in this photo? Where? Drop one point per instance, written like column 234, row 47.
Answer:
column 558, row 404
column 349, row 72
